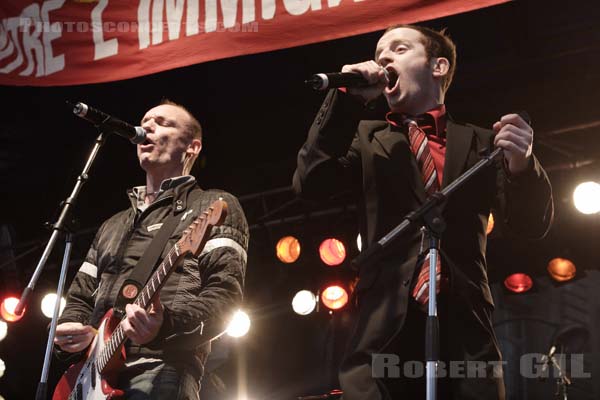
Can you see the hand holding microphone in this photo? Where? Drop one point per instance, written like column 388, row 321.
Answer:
column 514, row 136
column 364, row 80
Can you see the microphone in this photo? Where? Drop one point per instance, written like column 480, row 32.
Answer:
column 109, row 124
column 336, row 80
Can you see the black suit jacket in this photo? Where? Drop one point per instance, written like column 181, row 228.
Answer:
column 374, row 158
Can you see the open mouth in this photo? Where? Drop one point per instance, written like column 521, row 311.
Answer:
column 392, row 77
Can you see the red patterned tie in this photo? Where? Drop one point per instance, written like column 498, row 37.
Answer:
column 420, row 148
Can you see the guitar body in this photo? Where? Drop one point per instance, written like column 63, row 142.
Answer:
column 82, row 381
column 94, row 378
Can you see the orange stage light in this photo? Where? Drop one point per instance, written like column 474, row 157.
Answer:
column 288, row 249
column 332, row 252
column 334, row 297
column 518, row 283
column 561, row 269
column 7, row 309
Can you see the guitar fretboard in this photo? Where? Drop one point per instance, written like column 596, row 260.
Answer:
column 143, row 300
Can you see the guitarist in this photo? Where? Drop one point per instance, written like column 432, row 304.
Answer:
column 166, row 350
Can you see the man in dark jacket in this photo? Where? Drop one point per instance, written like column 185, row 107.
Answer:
column 169, row 342
column 393, row 165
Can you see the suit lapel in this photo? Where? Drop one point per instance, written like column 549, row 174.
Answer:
column 458, row 145
column 392, row 140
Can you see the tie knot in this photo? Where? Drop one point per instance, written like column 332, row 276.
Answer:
column 411, row 123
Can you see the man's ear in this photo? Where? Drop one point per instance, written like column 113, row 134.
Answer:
column 441, row 66
column 194, row 147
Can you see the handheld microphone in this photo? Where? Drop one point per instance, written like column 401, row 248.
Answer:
column 337, row 80
column 109, row 124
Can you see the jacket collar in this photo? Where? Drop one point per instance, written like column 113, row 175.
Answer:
column 171, row 187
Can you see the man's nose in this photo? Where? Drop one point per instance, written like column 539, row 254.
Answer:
column 384, row 58
column 149, row 125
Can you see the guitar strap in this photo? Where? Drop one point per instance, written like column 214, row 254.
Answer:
column 145, row 266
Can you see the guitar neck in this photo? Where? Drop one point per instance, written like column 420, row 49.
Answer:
column 143, row 300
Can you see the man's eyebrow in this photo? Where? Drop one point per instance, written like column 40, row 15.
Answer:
column 393, row 43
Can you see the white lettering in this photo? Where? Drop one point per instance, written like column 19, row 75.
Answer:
column 299, row 7
column 157, row 21
column 32, row 46
column 102, row 48
column 52, row 64
column 248, row 11
column 174, row 17
column 268, row 9
column 12, row 26
column 143, row 16
column 191, row 26
column 229, row 10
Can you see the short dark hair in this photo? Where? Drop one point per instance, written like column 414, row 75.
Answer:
column 193, row 127
column 437, row 44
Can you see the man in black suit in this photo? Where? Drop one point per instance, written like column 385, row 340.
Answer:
column 393, row 165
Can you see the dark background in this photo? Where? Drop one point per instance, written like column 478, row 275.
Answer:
column 539, row 56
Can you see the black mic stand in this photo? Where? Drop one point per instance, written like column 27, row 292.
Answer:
column 430, row 216
column 60, row 227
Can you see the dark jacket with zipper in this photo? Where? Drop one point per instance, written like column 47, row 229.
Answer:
column 198, row 297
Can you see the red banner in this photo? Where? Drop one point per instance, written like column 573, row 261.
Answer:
column 59, row 42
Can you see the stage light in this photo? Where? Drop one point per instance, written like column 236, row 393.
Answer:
column 288, row 249
column 587, row 197
column 334, row 297
column 359, row 242
column 3, row 330
column 2, row 368
column 518, row 283
column 48, row 304
column 304, row 302
column 332, row 252
column 239, row 324
column 490, row 226
column 561, row 270
column 7, row 309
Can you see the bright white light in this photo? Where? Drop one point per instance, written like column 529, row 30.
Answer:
column 304, row 302
column 587, row 197
column 3, row 330
column 239, row 325
column 48, row 304
column 359, row 242
column 2, row 368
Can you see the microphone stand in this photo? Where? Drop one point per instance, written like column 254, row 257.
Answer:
column 430, row 216
column 60, row 227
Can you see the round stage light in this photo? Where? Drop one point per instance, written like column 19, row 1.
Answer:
column 334, row 297
column 304, row 302
column 3, row 330
column 359, row 242
column 2, row 368
column 587, row 197
column 561, row 269
column 490, row 226
column 239, row 324
column 7, row 309
column 48, row 305
column 288, row 249
column 332, row 252
column 518, row 283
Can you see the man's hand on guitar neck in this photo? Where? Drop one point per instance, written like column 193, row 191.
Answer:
column 142, row 326
column 74, row 337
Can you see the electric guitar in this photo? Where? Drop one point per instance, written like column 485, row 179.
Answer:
column 92, row 378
